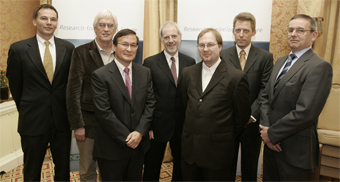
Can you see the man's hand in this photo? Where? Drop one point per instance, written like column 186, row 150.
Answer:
column 80, row 134
column 264, row 134
column 151, row 135
column 133, row 139
column 275, row 147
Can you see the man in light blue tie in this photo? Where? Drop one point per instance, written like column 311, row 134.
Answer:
column 291, row 103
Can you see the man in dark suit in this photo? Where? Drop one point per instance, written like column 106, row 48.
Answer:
column 291, row 103
column 216, row 96
column 167, row 123
column 124, row 104
column 37, row 71
column 85, row 59
column 258, row 64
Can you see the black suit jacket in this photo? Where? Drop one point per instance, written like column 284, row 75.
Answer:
column 213, row 117
column 39, row 103
column 117, row 114
column 169, row 112
column 258, row 68
column 292, row 112
column 80, row 107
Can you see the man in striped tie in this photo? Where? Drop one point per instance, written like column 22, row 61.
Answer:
column 291, row 103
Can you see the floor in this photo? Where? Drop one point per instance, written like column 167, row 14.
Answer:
column 16, row 175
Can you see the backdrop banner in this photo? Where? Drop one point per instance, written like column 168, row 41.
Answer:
column 75, row 24
column 196, row 15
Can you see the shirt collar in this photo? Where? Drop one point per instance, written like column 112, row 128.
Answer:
column 168, row 56
column 300, row 53
column 247, row 49
column 212, row 69
column 101, row 49
column 122, row 67
column 42, row 41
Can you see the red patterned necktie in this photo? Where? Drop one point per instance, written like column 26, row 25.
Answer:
column 128, row 81
column 173, row 70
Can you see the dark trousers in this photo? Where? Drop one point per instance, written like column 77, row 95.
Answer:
column 154, row 159
column 250, row 151
column 126, row 169
column 191, row 172
column 275, row 168
column 34, row 148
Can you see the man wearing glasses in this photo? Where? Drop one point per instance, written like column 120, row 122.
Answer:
column 124, row 104
column 291, row 103
column 216, row 96
column 85, row 59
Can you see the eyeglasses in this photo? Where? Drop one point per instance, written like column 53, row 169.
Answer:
column 209, row 45
column 103, row 25
column 126, row 45
column 298, row 31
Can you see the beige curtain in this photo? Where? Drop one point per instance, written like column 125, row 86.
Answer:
column 156, row 12
column 45, row 1
column 327, row 45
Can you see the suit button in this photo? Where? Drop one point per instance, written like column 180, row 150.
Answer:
column 196, row 133
column 200, row 100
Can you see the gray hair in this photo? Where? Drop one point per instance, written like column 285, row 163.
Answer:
column 169, row 23
column 312, row 22
column 105, row 13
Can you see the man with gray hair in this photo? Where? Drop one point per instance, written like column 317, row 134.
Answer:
column 292, row 101
column 166, row 69
column 85, row 59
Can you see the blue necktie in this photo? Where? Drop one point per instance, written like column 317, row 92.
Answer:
column 291, row 57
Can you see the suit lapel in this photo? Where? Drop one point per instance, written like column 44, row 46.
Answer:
column 136, row 77
column 216, row 78
column 181, row 66
column 198, row 77
column 95, row 55
column 234, row 58
column 164, row 66
column 293, row 70
column 251, row 58
column 34, row 54
column 60, row 54
column 117, row 78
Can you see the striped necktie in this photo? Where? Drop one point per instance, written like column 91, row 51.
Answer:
column 291, row 57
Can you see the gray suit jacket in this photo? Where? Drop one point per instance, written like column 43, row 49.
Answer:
column 37, row 101
column 258, row 68
column 80, row 108
column 292, row 112
column 117, row 114
column 214, row 117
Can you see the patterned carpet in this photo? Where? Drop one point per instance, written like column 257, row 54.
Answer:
column 16, row 175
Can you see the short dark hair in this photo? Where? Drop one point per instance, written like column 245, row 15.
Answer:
column 245, row 16
column 217, row 35
column 43, row 6
column 122, row 33
column 312, row 22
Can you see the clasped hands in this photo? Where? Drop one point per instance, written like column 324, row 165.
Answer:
column 133, row 139
column 266, row 140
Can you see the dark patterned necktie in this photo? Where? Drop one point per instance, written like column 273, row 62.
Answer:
column 173, row 70
column 128, row 81
column 291, row 57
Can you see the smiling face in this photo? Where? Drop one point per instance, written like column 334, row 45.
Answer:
column 171, row 39
column 243, row 33
column 126, row 54
column 46, row 23
column 210, row 49
column 104, row 30
column 296, row 41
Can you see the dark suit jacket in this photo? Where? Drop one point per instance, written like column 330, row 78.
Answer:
column 39, row 103
column 292, row 112
column 169, row 113
column 85, row 59
column 258, row 68
column 215, row 117
column 117, row 114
